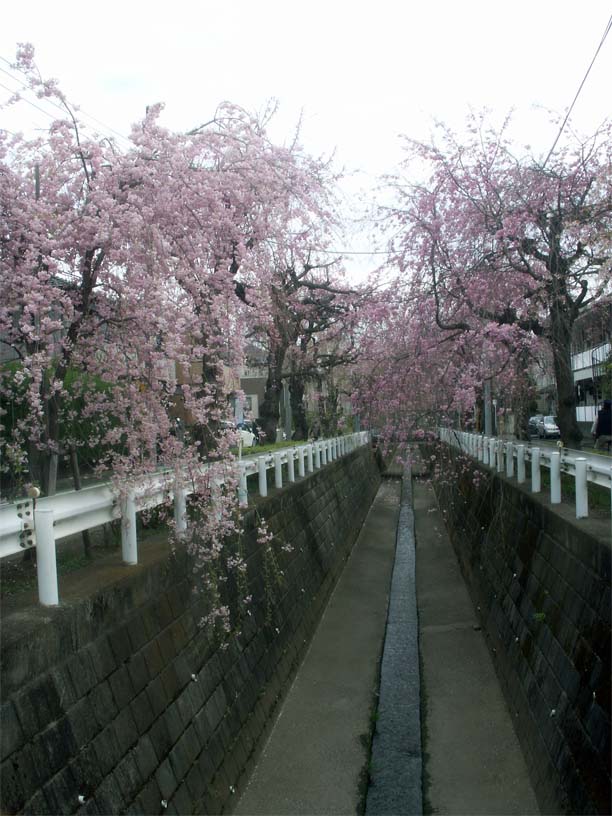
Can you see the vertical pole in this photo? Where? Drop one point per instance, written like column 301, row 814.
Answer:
column 46, row 566
column 536, row 481
column 488, row 429
column 263, row 476
column 278, row 470
column 324, row 453
column 301, row 469
column 582, row 494
column 520, row 464
column 309, row 459
column 492, row 452
column 129, row 540
column 180, row 511
column 509, row 460
column 555, row 478
column 317, row 455
column 485, row 450
column 243, row 493
column 500, row 455
column 291, row 464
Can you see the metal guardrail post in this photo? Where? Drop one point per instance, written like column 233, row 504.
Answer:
column 263, row 477
column 555, row 478
column 500, row 456
column 129, row 539
column 309, row 457
column 491, row 452
column 317, row 455
column 301, row 468
column 509, row 460
column 582, row 495
column 278, row 470
column 180, row 511
column 485, row 450
column 520, row 464
column 536, row 480
column 46, row 565
column 291, row 464
column 243, row 493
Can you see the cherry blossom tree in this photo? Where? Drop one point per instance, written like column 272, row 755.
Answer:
column 306, row 329
column 122, row 267
column 507, row 249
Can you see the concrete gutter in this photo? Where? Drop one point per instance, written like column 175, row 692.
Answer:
column 317, row 751
column 396, row 761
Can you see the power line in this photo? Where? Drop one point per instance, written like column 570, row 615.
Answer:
column 80, row 111
column 603, row 39
column 349, row 252
column 28, row 101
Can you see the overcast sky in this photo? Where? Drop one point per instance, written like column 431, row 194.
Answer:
column 360, row 73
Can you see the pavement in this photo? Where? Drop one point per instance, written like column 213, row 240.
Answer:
column 473, row 761
column 315, row 759
column 444, row 741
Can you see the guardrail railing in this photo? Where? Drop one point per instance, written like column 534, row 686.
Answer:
column 513, row 458
column 42, row 522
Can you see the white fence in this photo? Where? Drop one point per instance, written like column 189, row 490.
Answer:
column 512, row 459
column 42, row 522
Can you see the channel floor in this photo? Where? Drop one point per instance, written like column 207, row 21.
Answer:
column 315, row 758
column 473, row 761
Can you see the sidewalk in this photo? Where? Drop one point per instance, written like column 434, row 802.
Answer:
column 473, row 762
column 315, row 759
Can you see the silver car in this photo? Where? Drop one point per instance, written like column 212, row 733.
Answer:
column 548, row 428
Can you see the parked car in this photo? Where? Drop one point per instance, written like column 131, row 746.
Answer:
column 247, row 426
column 533, row 424
column 248, row 438
column 548, row 428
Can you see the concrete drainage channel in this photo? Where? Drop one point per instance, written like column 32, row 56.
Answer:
column 315, row 755
column 331, row 751
column 396, row 755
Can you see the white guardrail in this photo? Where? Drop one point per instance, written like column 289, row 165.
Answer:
column 503, row 456
column 42, row 522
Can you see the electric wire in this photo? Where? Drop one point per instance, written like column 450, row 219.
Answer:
column 111, row 130
column 80, row 111
column 571, row 107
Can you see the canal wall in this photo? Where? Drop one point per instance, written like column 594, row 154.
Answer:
column 125, row 703
column 540, row 582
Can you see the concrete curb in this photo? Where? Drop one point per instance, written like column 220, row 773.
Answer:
column 396, row 762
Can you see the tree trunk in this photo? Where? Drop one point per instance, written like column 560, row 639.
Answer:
column 207, row 434
column 560, row 340
column 269, row 410
column 300, row 423
column 52, row 438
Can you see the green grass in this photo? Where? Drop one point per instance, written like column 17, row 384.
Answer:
column 19, row 575
column 258, row 450
column 599, row 496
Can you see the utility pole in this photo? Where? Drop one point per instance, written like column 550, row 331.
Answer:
column 488, row 419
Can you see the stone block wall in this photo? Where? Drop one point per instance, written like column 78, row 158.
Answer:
column 540, row 581
column 124, row 703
